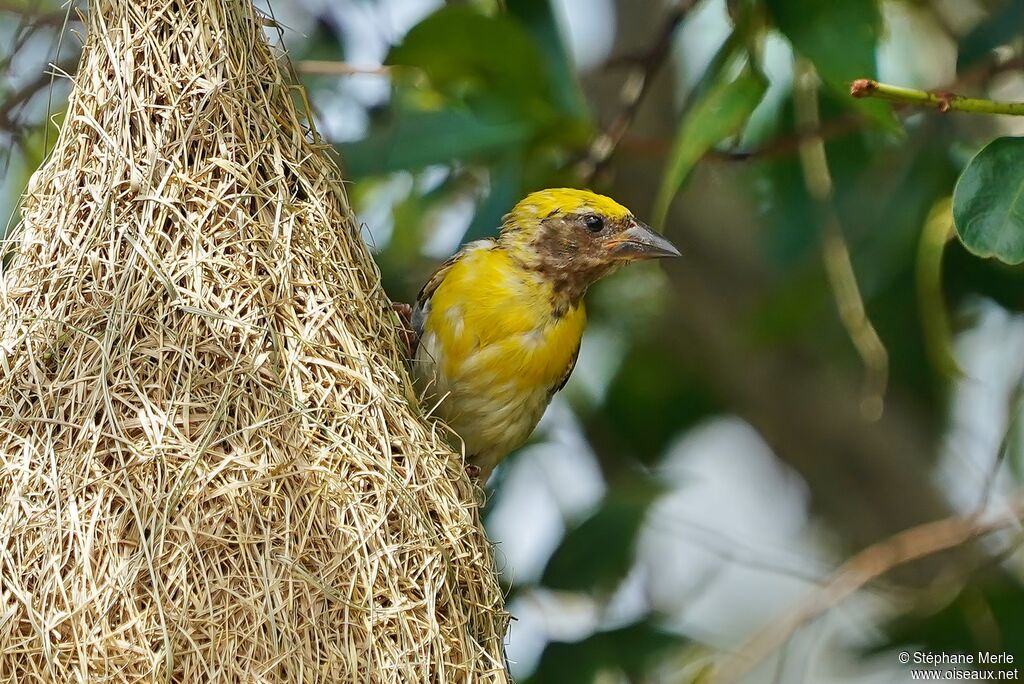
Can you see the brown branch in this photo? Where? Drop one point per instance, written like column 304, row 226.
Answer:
column 790, row 143
column 868, row 565
column 31, row 22
column 634, row 89
column 1012, row 417
column 852, row 122
column 780, row 146
column 35, row 16
column 985, row 70
column 10, row 105
column 320, row 67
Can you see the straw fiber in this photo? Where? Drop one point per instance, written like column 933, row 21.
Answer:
column 209, row 469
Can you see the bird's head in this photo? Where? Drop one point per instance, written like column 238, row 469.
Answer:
column 574, row 237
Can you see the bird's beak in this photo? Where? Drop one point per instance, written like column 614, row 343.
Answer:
column 640, row 242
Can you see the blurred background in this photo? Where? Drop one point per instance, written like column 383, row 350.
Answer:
column 825, row 367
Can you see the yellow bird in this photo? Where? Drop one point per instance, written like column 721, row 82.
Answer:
column 498, row 326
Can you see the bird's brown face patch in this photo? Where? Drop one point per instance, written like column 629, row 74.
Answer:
column 572, row 251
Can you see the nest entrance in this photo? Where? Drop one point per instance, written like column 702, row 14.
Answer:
column 209, row 470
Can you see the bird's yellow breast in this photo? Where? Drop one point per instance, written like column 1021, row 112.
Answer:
column 496, row 321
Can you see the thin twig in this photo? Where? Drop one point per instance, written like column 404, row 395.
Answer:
column 980, row 73
column 780, row 146
column 320, row 67
column 943, row 101
column 20, row 97
column 868, row 565
column 791, row 142
column 1005, row 444
column 834, row 250
column 634, row 89
column 936, row 232
column 35, row 16
column 838, row 127
column 852, row 122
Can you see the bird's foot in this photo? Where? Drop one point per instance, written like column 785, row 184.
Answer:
column 405, row 330
column 473, row 471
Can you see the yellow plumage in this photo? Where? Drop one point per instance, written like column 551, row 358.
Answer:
column 500, row 323
column 492, row 352
column 486, row 304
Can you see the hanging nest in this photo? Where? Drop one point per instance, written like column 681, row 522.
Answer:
column 209, row 467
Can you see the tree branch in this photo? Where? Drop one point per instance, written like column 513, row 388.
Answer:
column 838, row 127
column 20, row 97
column 634, row 90
column 868, row 565
column 36, row 16
column 319, row 67
column 943, row 101
column 835, row 252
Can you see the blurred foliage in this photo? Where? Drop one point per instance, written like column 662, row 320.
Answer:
column 631, row 651
column 501, row 93
column 839, row 38
column 1000, row 27
column 720, row 112
column 597, row 553
column 494, row 99
column 988, row 616
column 486, row 104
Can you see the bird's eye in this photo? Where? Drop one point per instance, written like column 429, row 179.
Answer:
column 593, row 222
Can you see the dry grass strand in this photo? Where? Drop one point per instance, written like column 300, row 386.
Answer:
column 208, row 467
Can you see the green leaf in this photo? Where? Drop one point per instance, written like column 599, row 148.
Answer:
column 599, row 552
column 539, row 19
column 719, row 113
column 417, row 138
column 631, row 650
column 467, row 55
column 988, row 202
column 839, row 37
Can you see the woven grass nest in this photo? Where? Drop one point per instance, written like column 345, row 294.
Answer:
column 209, row 467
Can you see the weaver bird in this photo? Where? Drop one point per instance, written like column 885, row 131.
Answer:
column 498, row 325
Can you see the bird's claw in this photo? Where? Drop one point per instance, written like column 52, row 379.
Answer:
column 405, row 330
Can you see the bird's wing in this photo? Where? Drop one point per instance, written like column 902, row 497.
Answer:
column 568, row 372
column 422, row 307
